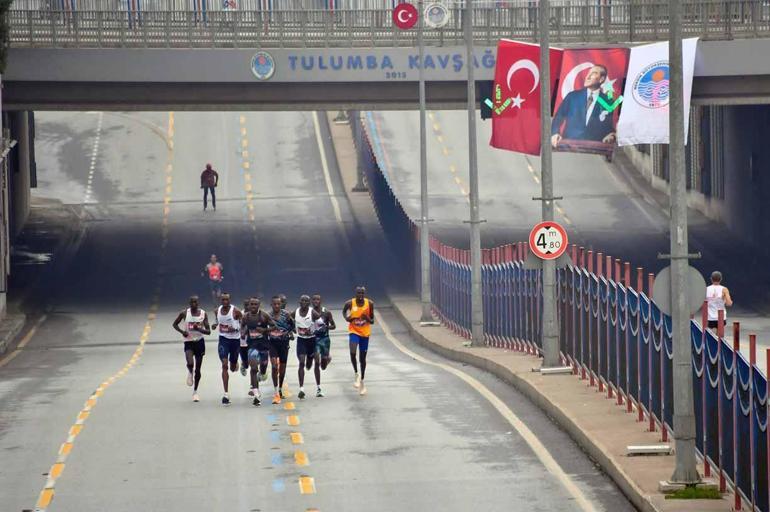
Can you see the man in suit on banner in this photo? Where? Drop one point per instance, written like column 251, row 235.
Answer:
column 580, row 117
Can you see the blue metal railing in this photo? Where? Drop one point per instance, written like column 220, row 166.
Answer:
column 612, row 334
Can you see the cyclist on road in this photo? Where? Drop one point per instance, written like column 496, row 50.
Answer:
column 213, row 271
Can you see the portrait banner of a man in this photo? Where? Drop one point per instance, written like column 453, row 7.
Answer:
column 588, row 100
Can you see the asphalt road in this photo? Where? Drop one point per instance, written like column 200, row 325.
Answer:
column 103, row 373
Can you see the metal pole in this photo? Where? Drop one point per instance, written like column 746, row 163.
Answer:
column 425, row 298
column 550, row 327
column 477, row 305
column 684, row 416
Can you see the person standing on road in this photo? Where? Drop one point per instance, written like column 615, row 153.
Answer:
column 305, row 319
column 323, row 341
column 209, row 182
column 213, row 271
column 718, row 299
column 359, row 313
column 256, row 323
column 196, row 325
column 279, row 345
column 228, row 319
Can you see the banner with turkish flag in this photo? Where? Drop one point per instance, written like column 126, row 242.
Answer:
column 588, row 100
column 516, row 95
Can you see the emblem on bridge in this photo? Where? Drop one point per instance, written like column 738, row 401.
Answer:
column 436, row 15
column 262, row 65
column 651, row 85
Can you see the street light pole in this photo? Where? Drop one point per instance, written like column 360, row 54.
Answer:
column 550, row 327
column 425, row 296
column 685, row 471
column 477, row 306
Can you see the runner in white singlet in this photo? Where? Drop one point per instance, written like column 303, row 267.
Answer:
column 305, row 319
column 228, row 319
column 196, row 325
column 717, row 299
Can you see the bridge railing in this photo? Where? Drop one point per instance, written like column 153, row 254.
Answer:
column 611, row 332
column 570, row 22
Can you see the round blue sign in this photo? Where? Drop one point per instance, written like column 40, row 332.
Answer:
column 651, row 85
column 262, row 65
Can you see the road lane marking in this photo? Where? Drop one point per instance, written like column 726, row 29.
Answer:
column 300, row 458
column 306, row 485
column 296, row 438
column 293, row 420
column 276, row 459
column 46, row 495
column 23, row 342
column 289, row 406
column 540, row 451
column 325, row 167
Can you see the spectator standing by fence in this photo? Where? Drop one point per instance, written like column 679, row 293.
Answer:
column 717, row 299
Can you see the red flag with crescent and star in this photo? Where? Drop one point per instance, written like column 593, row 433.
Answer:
column 516, row 95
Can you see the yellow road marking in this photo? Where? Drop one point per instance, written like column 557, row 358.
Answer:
column 440, row 138
column 464, row 192
column 457, row 180
column 246, row 165
column 23, row 342
column 242, row 119
column 444, row 150
column 436, row 127
column 56, row 470
column 526, row 434
column 289, row 406
column 537, row 180
column 244, row 143
column 65, row 449
column 83, row 415
column 306, row 485
column 243, row 130
column 75, row 430
column 46, row 496
column 300, row 458
column 244, row 154
column 296, row 438
column 293, row 420
column 452, row 168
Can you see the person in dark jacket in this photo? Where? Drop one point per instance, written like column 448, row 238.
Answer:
column 209, row 182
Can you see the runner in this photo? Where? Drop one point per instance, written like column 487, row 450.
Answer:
column 283, row 300
column 305, row 319
column 718, row 299
column 228, row 319
column 279, row 345
column 196, row 325
column 255, row 324
column 213, row 271
column 359, row 313
column 323, row 342
column 244, row 349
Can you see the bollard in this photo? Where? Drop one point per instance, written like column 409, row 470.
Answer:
column 599, row 261
column 608, row 264
column 590, row 258
column 639, row 279
column 626, row 274
column 582, row 255
column 574, row 254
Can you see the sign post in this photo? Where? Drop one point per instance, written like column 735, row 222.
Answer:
column 685, row 471
column 477, row 300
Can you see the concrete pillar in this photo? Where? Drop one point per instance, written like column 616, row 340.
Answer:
column 20, row 175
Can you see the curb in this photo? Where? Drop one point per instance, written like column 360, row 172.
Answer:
column 604, row 460
column 9, row 335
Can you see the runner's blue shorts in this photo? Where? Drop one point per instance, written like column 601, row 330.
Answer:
column 362, row 342
column 228, row 349
column 260, row 356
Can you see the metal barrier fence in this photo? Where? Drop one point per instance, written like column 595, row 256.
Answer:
column 612, row 334
column 130, row 23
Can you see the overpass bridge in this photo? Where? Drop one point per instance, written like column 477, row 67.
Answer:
column 188, row 59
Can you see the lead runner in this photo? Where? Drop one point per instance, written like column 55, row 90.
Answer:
column 359, row 313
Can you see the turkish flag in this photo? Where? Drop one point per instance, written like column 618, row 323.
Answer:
column 516, row 95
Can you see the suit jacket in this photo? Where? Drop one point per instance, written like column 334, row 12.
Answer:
column 570, row 118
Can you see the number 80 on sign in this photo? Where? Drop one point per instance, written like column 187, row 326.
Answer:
column 548, row 240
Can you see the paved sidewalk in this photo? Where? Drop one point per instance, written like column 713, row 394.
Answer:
column 600, row 427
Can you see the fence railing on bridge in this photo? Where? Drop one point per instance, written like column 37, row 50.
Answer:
column 260, row 23
column 611, row 333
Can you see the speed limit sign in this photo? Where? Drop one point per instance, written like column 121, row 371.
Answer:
column 548, row 240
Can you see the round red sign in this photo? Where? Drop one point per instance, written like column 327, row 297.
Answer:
column 405, row 16
column 548, row 240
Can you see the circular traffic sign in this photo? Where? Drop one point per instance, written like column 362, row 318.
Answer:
column 548, row 240
column 405, row 16
column 436, row 15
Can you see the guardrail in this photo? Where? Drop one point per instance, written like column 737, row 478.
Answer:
column 611, row 332
column 590, row 21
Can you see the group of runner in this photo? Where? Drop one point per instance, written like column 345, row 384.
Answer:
column 258, row 337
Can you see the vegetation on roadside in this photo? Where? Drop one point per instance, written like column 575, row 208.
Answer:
column 692, row 492
column 5, row 32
